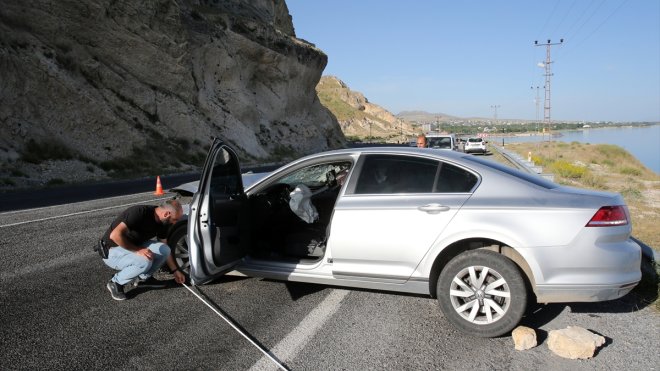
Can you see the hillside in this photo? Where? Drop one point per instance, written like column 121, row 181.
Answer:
column 100, row 88
column 422, row 116
column 357, row 116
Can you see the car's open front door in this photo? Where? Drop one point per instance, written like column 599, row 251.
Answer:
column 217, row 213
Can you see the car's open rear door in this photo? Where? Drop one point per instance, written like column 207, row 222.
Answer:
column 217, row 211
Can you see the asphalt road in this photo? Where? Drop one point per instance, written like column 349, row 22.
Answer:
column 57, row 314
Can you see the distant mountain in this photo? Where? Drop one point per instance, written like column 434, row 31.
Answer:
column 357, row 116
column 423, row 116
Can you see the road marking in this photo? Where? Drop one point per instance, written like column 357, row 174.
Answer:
column 71, row 204
column 73, row 214
column 293, row 343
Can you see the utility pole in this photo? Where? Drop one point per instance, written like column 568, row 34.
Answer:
column 495, row 113
column 548, row 74
column 537, row 100
column 495, row 107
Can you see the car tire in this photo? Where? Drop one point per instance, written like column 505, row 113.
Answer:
column 178, row 242
column 482, row 293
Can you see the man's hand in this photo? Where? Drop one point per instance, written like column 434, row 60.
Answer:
column 179, row 277
column 146, row 253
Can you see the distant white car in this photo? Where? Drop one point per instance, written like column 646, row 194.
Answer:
column 475, row 145
column 479, row 236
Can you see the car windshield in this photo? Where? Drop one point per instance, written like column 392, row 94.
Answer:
column 315, row 176
column 532, row 178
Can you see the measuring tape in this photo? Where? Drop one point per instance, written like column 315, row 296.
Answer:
column 235, row 327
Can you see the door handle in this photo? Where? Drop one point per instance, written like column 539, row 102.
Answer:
column 433, row 208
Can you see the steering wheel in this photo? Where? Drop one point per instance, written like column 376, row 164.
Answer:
column 278, row 195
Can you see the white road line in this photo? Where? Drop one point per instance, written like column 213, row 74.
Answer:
column 75, row 203
column 294, row 342
column 73, row 214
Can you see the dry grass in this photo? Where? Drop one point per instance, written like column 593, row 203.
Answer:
column 604, row 167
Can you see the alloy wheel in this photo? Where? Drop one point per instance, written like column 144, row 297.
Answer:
column 480, row 295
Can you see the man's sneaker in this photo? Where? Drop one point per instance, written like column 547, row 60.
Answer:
column 116, row 290
column 151, row 282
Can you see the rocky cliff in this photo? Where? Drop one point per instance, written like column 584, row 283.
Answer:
column 132, row 87
column 357, row 116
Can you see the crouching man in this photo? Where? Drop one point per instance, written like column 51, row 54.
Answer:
column 138, row 246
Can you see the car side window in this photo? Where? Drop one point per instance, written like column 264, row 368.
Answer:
column 453, row 179
column 386, row 174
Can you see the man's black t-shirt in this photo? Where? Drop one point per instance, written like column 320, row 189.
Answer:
column 141, row 223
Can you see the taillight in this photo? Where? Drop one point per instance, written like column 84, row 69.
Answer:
column 609, row 216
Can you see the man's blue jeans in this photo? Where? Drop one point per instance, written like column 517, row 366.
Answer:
column 131, row 265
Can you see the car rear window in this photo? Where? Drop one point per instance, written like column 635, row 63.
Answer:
column 439, row 142
column 531, row 178
column 475, row 140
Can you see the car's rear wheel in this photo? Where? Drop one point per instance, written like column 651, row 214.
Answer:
column 482, row 293
column 178, row 242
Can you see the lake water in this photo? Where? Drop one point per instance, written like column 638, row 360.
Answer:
column 641, row 142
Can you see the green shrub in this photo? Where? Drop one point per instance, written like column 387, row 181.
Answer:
column 567, row 170
column 154, row 158
column 55, row 181
column 540, row 160
column 612, row 151
column 631, row 193
column 591, row 180
column 630, row 171
column 37, row 152
column 17, row 172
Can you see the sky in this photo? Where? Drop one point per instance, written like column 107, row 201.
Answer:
column 476, row 58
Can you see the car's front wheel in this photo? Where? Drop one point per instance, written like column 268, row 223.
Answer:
column 482, row 293
column 178, row 242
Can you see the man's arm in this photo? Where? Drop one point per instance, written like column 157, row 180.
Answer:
column 118, row 235
column 179, row 277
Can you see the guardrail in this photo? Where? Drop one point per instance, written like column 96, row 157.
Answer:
column 522, row 163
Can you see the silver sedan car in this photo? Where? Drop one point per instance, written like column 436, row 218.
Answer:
column 480, row 237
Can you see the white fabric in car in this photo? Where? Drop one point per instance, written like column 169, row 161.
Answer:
column 301, row 205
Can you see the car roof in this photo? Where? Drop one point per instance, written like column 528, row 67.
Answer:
column 437, row 135
column 392, row 150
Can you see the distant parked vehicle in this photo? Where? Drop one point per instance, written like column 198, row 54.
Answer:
column 475, row 145
column 442, row 141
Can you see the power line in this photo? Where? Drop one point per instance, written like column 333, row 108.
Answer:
column 564, row 17
column 549, row 17
column 575, row 46
column 571, row 37
column 570, row 29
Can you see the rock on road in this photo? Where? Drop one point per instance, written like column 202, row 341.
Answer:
column 57, row 314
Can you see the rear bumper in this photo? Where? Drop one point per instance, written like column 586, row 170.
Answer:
column 475, row 150
column 585, row 272
column 574, row 293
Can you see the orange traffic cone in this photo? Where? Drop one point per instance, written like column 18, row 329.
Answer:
column 159, row 187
